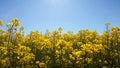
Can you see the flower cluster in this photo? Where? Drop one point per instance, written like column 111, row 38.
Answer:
column 85, row 49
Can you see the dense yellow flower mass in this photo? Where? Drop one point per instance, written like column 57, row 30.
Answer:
column 85, row 49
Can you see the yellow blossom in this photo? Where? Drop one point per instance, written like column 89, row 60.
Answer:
column 105, row 62
column 15, row 22
column 42, row 65
column 1, row 22
column 37, row 62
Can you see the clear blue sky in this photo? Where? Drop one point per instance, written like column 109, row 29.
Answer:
column 69, row 14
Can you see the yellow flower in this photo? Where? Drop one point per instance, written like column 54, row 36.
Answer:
column 3, row 62
column 96, row 50
column 16, row 22
column 22, row 28
column 89, row 60
column 57, row 52
column 99, row 60
column 18, row 57
column 71, row 57
column 60, row 29
column 105, row 62
column 79, row 53
column 8, row 24
column 77, row 62
column 1, row 22
column 37, row 62
column 79, row 43
column 104, row 67
column 42, row 65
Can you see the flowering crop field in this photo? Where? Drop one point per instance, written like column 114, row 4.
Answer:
column 84, row 49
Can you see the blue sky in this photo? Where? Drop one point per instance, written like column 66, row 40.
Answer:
column 71, row 15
